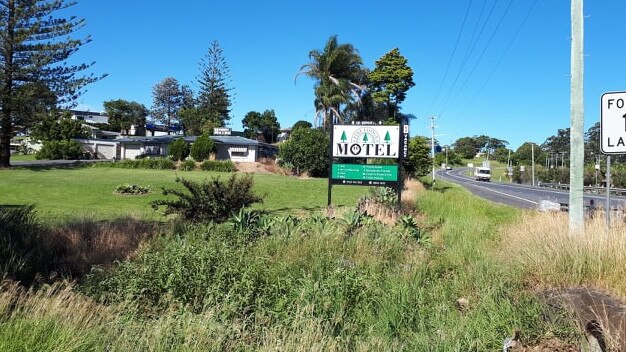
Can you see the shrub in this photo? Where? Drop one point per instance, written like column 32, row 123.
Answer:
column 188, row 165
column 62, row 149
column 129, row 189
column 202, row 148
column 212, row 200
column 218, row 165
column 21, row 252
column 178, row 149
column 157, row 163
column 307, row 151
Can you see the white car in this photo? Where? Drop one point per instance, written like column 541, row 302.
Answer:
column 482, row 174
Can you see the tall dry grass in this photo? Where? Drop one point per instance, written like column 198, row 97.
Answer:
column 82, row 244
column 550, row 258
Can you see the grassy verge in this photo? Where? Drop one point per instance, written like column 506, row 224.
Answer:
column 63, row 192
column 298, row 284
column 551, row 258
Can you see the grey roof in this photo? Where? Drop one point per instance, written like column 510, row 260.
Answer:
column 230, row 140
column 234, row 140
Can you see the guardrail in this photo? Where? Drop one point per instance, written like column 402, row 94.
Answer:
column 588, row 189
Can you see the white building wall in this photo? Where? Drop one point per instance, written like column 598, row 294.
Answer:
column 244, row 154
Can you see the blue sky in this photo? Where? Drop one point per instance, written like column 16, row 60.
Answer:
column 511, row 82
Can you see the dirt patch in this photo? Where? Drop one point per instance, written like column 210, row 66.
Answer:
column 263, row 167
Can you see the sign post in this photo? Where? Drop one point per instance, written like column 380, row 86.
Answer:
column 612, row 136
column 367, row 140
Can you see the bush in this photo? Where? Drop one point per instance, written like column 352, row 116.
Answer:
column 212, row 200
column 188, row 165
column 129, row 189
column 307, row 151
column 178, row 149
column 61, row 149
column 202, row 148
column 22, row 255
column 218, row 165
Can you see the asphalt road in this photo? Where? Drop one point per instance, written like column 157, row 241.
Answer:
column 520, row 196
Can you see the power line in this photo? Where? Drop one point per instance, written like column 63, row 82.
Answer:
column 469, row 51
column 456, row 44
column 506, row 50
column 490, row 40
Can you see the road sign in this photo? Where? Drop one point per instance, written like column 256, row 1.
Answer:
column 613, row 123
column 364, row 174
column 366, row 141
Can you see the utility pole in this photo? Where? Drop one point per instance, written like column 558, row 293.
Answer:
column 432, row 143
column 576, row 214
column 532, row 164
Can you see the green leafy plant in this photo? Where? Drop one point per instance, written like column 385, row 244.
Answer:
column 132, row 189
column 218, row 165
column 188, row 165
column 202, row 148
column 410, row 226
column 60, row 149
column 178, row 149
column 212, row 200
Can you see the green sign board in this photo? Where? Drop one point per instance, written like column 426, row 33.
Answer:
column 364, row 174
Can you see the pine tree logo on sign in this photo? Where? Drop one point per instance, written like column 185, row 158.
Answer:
column 352, row 141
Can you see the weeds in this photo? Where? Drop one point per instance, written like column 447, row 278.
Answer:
column 213, row 200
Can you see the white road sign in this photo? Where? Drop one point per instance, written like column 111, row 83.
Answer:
column 366, row 141
column 613, row 123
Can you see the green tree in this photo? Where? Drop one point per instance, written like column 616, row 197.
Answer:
column 523, row 154
column 502, row 154
column 307, row 151
column 339, row 76
column 389, row 82
column 57, row 126
column 214, row 97
column 35, row 46
column 301, row 124
column 167, row 101
column 56, row 131
column 123, row 114
column 202, row 148
column 178, row 149
column 265, row 124
column 466, row 147
column 418, row 161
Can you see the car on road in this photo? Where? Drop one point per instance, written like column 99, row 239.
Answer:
column 448, row 167
column 482, row 174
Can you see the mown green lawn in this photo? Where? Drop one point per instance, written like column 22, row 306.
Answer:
column 89, row 191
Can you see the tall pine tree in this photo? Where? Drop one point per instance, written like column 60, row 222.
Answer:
column 34, row 75
column 214, row 96
column 390, row 81
column 167, row 101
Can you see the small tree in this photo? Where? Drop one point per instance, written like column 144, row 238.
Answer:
column 56, row 132
column 213, row 200
column 179, row 149
column 418, row 162
column 307, row 150
column 202, row 148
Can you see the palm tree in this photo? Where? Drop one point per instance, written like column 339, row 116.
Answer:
column 339, row 79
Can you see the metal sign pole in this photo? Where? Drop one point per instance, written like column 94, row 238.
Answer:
column 330, row 167
column 608, row 194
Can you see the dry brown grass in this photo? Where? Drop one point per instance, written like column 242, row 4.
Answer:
column 550, row 258
column 57, row 301
column 85, row 243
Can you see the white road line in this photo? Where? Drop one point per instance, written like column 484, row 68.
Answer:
column 498, row 192
column 506, row 194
